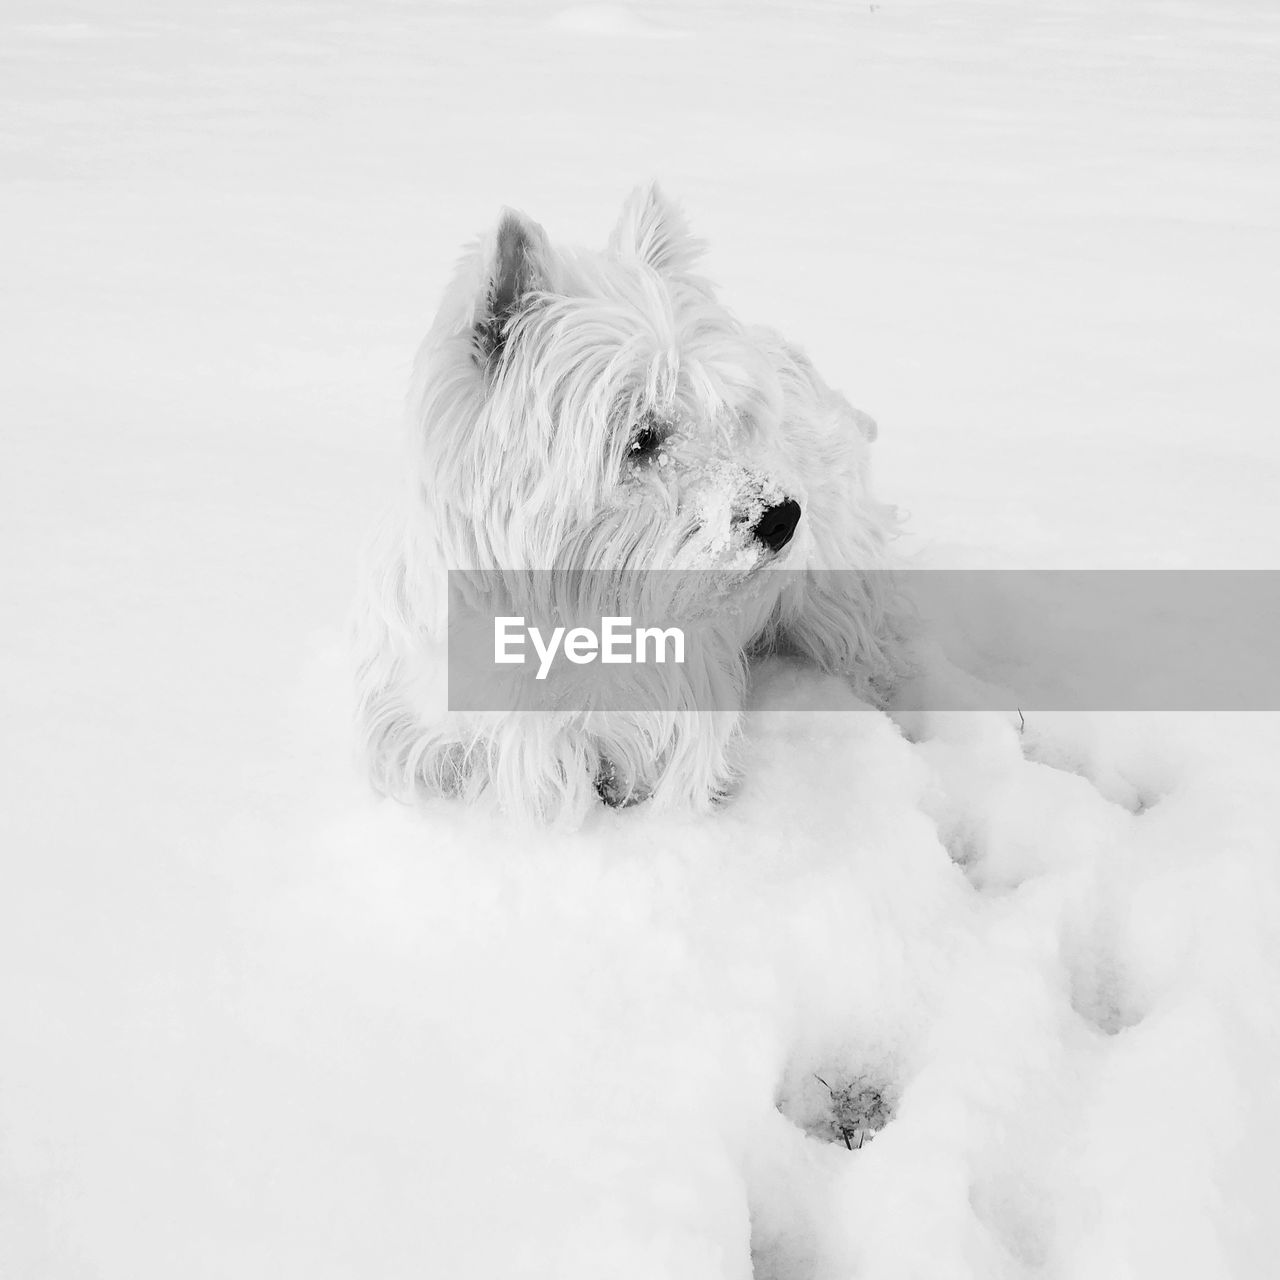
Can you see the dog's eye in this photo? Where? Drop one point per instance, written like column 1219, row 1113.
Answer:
column 644, row 442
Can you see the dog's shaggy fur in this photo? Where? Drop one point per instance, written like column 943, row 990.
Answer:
column 601, row 410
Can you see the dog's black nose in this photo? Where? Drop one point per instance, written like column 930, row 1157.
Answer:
column 776, row 526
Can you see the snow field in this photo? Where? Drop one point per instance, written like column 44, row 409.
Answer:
column 256, row 1024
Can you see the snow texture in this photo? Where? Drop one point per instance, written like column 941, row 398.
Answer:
column 255, row 1023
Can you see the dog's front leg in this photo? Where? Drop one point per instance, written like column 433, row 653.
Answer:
column 850, row 623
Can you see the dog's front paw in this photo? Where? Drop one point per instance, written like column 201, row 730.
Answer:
column 617, row 791
column 723, row 794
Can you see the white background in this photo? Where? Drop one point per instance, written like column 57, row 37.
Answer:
column 254, row 1023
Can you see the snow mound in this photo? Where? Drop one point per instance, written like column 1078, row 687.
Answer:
column 611, row 20
column 1034, row 961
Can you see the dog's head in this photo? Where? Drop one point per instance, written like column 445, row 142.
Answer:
column 602, row 410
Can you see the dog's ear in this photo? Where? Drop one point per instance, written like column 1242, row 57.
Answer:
column 653, row 229
column 517, row 258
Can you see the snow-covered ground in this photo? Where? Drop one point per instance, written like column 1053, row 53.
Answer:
column 254, row 1023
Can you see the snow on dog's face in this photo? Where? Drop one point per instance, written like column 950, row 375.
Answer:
column 602, row 411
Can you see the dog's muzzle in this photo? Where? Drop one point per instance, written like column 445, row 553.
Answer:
column 777, row 524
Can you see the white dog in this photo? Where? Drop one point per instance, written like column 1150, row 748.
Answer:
column 575, row 410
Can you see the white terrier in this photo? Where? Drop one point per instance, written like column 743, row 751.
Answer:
column 574, row 410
